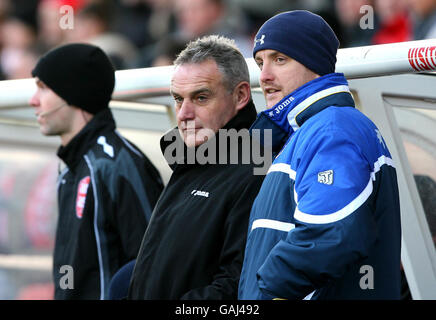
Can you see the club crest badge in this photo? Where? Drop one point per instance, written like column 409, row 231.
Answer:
column 81, row 196
column 326, row 177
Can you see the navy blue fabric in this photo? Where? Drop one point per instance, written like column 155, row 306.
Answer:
column 303, row 36
column 119, row 284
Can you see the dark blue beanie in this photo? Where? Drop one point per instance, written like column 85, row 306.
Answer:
column 303, row 36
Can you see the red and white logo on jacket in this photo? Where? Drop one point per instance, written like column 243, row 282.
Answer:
column 81, row 196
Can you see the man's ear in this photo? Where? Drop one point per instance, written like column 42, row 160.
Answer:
column 242, row 94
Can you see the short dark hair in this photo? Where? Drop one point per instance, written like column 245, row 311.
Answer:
column 224, row 52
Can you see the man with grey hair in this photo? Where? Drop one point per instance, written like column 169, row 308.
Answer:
column 193, row 247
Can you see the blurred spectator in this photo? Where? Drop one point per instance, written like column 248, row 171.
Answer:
column 16, row 59
column 4, row 9
column 424, row 14
column 134, row 20
column 92, row 25
column 258, row 11
column 18, row 63
column 48, row 21
column 50, row 33
column 194, row 19
column 197, row 18
column 324, row 8
column 352, row 35
column 162, row 20
column 90, row 21
column 17, row 34
column 163, row 53
column 167, row 51
column 26, row 9
column 394, row 22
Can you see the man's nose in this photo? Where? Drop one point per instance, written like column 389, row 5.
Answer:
column 266, row 74
column 34, row 100
column 186, row 111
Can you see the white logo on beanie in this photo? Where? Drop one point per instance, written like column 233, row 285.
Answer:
column 261, row 40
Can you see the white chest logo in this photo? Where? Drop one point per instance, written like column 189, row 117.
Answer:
column 107, row 148
column 326, row 177
column 200, row 193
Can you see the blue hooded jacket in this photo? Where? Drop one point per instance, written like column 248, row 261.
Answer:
column 326, row 221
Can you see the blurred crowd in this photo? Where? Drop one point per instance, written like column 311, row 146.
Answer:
column 144, row 33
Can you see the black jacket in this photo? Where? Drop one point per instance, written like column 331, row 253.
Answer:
column 106, row 195
column 193, row 248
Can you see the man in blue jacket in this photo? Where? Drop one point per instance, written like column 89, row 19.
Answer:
column 326, row 222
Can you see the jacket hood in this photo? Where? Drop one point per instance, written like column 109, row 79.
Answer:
column 85, row 139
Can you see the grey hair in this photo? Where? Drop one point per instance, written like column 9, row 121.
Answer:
column 224, row 52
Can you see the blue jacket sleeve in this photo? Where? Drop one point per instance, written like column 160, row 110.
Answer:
column 334, row 224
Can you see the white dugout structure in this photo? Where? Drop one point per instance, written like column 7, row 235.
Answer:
column 393, row 84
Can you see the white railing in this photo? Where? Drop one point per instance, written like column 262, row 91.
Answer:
column 359, row 62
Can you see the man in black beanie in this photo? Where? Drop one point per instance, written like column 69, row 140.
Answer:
column 108, row 188
column 326, row 222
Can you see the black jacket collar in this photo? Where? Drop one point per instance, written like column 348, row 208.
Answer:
column 86, row 138
column 243, row 120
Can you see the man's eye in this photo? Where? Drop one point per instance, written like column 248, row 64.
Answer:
column 201, row 98
column 178, row 100
column 280, row 59
column 259, row 64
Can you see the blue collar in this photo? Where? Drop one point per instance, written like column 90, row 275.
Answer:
column 289, row 114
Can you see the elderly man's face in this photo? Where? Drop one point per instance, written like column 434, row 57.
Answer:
column 280, row 75
column 203, row 104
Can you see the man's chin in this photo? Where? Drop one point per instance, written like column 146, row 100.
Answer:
column 50, row 132
column 45, row 131
column 196, row 138
column 271, row 103
column 192, row 141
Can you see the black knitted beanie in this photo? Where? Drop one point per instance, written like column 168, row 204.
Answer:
column 81, row 74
